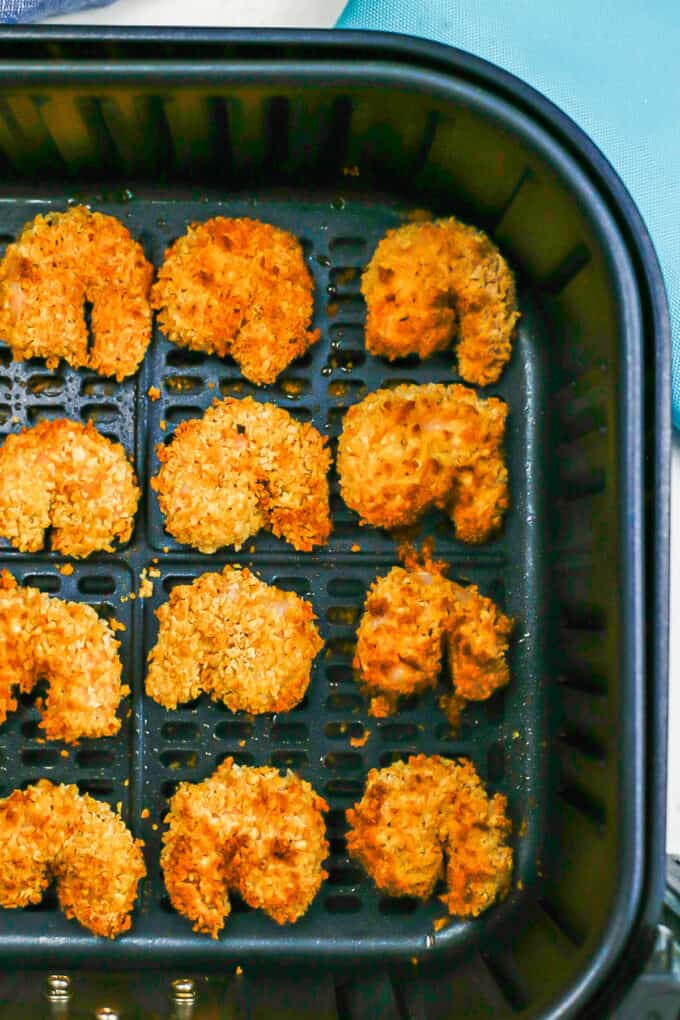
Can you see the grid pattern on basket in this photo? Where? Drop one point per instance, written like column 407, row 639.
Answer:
column 157, row 749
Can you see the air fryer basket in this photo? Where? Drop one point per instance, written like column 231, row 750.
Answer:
column 338, row 138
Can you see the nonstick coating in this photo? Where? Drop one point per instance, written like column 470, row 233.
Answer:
column 140, row 768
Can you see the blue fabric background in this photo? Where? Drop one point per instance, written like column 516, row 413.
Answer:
column 14, row 12
column 612, row 65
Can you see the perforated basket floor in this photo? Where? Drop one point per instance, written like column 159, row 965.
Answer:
column 156, row 749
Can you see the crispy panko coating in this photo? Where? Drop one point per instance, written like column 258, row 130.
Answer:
column 68, row 477
column 244, row 466
column 70, row 646
column 238, row 287
column 50, row 833
column 248, row 830
column 242, row 641
column 63, row 268
column 411, row 616
column 406, row 449
column 417, row 815
column 428, row 283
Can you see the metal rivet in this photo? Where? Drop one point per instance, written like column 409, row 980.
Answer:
column 58, row 988
column 106, row 1013
column 184, row 990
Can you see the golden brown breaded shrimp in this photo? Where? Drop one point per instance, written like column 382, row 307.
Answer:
column 238, row 287
column 430, row 282
column 50, row 832
column 404, row 450
column 415, row 814
column 410, row 617
column 70, row 646
column 242, row 641
column 61, row 264
column 244, row 466
column 400, row 636
column 477, row 635
column 68, row 477
column 249, row 830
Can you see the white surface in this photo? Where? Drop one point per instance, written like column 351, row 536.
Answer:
column 323, row 14
column 223, row 13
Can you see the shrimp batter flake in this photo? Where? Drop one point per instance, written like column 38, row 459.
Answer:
column 68, row 477
column 50, row 833
column 430, row 818
column 411, row 616
column 64, row 267
column 428, row 283
column 406, row 449
column 244, row 466
column 70, row 646
column 249, row 830
column 242, row 641
column 238, row 287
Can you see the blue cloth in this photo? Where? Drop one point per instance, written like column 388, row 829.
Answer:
column 13, row 12
column 612, row 65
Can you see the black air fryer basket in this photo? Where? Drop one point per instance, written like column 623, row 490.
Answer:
column 337, row 137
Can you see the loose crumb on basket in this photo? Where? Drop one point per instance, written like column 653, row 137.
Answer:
column 145, row 585
column 66, row 569
column 144, row 813
column 162, row 425
column 360, row 741
column 153, row 393
column 64, row 752
column 355, row 548
column 441, row 922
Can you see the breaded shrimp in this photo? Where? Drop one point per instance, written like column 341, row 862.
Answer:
column 242, row 641
column 63, row 267
column 238, row 287
column 249, row 830
column 404, row 450
column 428, row 283
column 70, row 646
column 49, row 833
column 68, row 477
column 244, row 466
column 411, row 616
column 415, row 815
